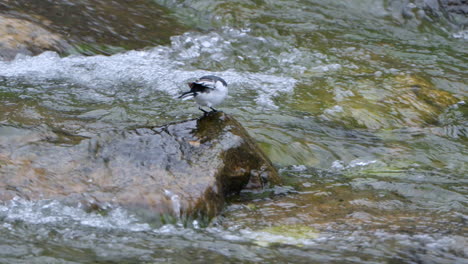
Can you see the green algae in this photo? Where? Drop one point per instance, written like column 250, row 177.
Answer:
column 296, row 235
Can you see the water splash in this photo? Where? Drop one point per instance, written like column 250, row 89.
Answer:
column 135, row 75
column 463, row 34
column 53, row 212
column 175, row 200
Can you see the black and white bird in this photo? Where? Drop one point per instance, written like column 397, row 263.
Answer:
column 207, row 91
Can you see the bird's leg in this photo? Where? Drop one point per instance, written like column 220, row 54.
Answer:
column 201, row 109
column 213, row 110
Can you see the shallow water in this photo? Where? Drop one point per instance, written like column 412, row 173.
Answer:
column 360, row 105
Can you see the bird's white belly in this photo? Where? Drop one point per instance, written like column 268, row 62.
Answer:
column 210, row 99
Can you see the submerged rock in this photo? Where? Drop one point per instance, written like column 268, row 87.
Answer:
column 182, row 169
column 397, row 102
column 24, row 37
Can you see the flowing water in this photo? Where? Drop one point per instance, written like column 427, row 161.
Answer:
column 360, row 105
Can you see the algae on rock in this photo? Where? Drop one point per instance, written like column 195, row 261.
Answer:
column 184, row 170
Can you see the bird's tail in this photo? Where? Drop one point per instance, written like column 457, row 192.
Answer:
column 187, row 95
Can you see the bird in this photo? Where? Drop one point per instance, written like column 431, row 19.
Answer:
column 207, row 91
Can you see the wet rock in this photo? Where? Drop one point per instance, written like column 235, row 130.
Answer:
column 184, row 169
column 455, row 6
column 102, row 27
column 452, row 12
column 25, row 37
column 455, row 11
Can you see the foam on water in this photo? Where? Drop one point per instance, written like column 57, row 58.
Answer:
column 54, row 212
column 462, row 34
column 45, row 212
column 340, row 165
column 163, row 68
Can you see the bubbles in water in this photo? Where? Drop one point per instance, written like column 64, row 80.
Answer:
column 334, row 109
column 340, row 165
column 463, row 34
column 137, row 74
column 326, row 68
column 54, row 212
column 298, row 168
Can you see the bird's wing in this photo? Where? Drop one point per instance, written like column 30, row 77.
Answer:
column 202, row 85
column 206, row 83
column 214, row 79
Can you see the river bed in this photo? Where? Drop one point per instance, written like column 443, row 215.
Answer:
column 361, row 107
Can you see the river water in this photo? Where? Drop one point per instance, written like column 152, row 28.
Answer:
column 360, row 104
